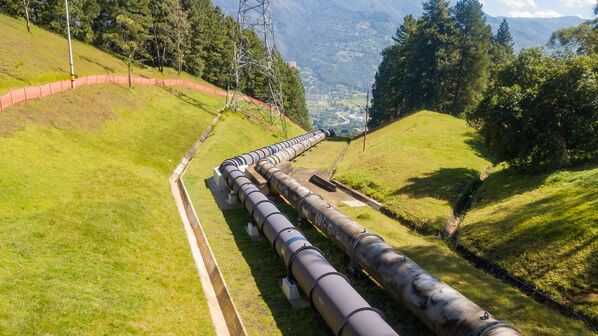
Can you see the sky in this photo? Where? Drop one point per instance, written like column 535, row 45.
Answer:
column 540, row 8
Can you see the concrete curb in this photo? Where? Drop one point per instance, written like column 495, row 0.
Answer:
column 224, row 314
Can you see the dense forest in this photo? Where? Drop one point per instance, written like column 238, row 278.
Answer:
column 189, row 35
column 537, row 110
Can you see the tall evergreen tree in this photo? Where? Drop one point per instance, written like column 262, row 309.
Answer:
column 473, row 44
column 393, row 81
column 177, row 31
column 433, row 57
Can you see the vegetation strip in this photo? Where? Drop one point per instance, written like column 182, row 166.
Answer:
column 39, row 91
column 225, row 316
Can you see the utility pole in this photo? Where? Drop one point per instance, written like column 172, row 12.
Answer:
column 367, row 112
column 68, row 33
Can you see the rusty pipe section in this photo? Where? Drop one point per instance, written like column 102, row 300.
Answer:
column 329, row 292
column 440, row 307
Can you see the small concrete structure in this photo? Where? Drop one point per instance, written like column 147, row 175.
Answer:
column 290, row 290
column 252, row 231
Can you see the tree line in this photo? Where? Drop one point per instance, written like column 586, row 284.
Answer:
column 537, row 110
column 189, row 35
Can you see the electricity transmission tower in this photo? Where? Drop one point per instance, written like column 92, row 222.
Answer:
column 256, row 15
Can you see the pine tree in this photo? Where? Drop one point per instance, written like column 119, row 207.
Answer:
column 434, row 58
column 393, row 82
column 473, row 45
column 177, row 30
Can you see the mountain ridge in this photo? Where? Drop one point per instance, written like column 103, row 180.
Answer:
column 339, row 42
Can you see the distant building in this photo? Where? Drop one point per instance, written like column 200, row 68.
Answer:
column 293, row 65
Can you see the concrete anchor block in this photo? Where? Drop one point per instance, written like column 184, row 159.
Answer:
column 231, row 198
column 219, row 179
column 291, row 291
column 252, row 231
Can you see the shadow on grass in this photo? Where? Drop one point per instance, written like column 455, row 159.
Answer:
column 546, row 249
column 476, row 143
column 445, row 184
column 90, row 60
column 187, row 99
column 267, row 268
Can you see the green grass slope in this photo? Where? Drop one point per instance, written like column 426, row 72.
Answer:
column 40, row 57
column 91, row 241
column 323, row 155
column 417, row 166
column 543, row 229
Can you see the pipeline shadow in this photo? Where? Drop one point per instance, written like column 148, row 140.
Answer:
column 267, row 268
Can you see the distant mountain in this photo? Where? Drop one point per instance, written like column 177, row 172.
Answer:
column 339, row 41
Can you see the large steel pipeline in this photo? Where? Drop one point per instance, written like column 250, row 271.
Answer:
column 329, row 291
column 440, row 307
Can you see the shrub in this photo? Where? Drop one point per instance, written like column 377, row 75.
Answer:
column 542, row 111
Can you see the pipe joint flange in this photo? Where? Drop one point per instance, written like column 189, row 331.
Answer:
column 294, row 255
column 258, row 203
column 301, row 201
column 272, row 214
column 247, row 197
column 290, row 228
column 485, row 330
column 358, row 310
column 316, row 284
column 356, row 243
column 272, row 171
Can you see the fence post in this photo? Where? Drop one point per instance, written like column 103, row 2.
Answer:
column 25, row 92
column 12, row 102
column 40, row 92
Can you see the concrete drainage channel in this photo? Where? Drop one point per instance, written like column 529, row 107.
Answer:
column 224, row 314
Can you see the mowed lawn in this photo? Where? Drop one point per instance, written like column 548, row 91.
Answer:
column 91, row 241
column 542, row 228
column 323, row 155
column 417, row 166
column 40, row 57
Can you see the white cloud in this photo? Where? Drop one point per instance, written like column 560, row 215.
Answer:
column 517, row 13
column 520, row 4
column 547, row 14
column 536, row 14
column 578, row 3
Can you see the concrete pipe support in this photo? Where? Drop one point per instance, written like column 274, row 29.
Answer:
column 330, row 293
column 440, row 307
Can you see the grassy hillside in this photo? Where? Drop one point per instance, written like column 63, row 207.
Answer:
column 417, row 166
column 543, row 229
column 91, row 241
column 41, row 57
column 323, row 155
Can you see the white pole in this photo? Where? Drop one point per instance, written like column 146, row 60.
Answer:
column 68, row 33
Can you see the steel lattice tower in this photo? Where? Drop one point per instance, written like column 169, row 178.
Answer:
column 256, row 15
